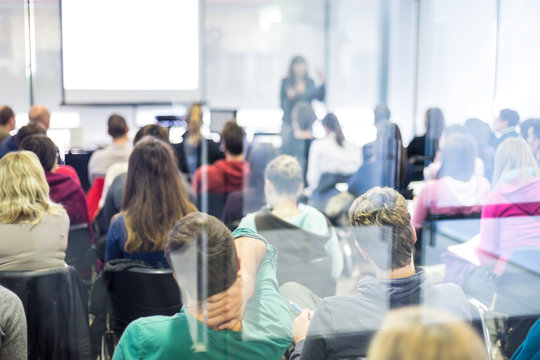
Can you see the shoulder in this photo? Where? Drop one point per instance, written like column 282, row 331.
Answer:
column 450, row 297
column 59, row 219
column 9, row 300
column 248, row 222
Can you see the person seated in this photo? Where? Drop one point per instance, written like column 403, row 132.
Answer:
column 481, row 133
column 457, row 190
column 530, row 348
column 40, row 114
column 190, row 152
column 387, row 166
column 509, row 219
column 505, row 126
column 7, row 122
column 340, row 325
column 224, row 176
column 237, row 271
column 533, row 138
column 300, row 233
column 302, row 117
column 13, row 142
column 33, row 229
column 154, row 200
column 13, row 344
column 427, row 334
column 422, row 149
column 331, row 155
column 251, row 198
column 62, row 188
column 118, row 151
column 381, row 115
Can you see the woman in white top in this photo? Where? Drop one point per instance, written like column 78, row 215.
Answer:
column 332, row 154
column 33, row 229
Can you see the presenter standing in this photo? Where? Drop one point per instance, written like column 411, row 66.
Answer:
column 298, row 87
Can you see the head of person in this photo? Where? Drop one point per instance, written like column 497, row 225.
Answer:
column 381, row 224
column 533, row 138
column 40, row 114
column 390, row 152
column 412, row 333
column 194, row 122
column 258, row 156
column 514, row 163
column 458, row 157
column 283, row 180
column 381, row 113
column 332, row 126
column 232, row 138
column 479, row 130
column 7, row 118
column 154, row 196
column 24, row 192
column 159, row 132
column 298, row 68
column 34, row 128
column 44, row 148
column 201, row 251
column 434, row 122
column 507, row 118
column 303, row 117
column 525, row 125
column 117, row 127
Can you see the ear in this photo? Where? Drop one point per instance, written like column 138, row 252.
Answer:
column 414, row 233
column 239, row 264
column 300, row 190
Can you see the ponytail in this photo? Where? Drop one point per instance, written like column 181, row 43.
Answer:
column 331, row 122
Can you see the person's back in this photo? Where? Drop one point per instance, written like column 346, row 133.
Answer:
column 13, row 337
column 7, row 122
column 505, row 126
column 263, row 332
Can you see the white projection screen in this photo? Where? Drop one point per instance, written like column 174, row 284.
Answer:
column 131, row 51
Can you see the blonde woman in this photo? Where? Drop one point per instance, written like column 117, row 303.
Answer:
column 422, row 333
column 33, row 229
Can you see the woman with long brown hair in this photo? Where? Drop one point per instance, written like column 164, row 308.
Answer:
column 154, row 200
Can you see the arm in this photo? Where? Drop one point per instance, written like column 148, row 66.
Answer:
column 310, row 344
column 129, row 346
column 14, row 343
column 420, row 209
column 114, row 237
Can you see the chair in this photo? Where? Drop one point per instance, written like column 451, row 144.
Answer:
column 80, row 252
column 93, row 196
column 212, row 203
column 56, row 310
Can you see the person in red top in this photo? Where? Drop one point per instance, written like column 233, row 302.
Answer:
column 62, row 188
column 224, row 176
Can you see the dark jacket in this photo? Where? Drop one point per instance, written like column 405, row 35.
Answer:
column 213, row 153
column 342, row 326
column 312, row 93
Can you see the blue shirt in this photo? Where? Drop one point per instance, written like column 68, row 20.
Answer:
column 8, row 145
column 116, row 241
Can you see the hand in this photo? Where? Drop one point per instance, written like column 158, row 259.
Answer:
column 290, row 92
column 300, row 87
column 224, row 310
column 300, row 325
column 321, row 75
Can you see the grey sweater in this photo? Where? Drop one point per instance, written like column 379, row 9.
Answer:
column 342, row 326
column 12, row 327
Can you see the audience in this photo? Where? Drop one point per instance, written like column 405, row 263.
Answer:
column 387, row 166
column 457, row 189
column 12, row 143
column 422, row 149
column 62, row 188
column 533, row 138
column 40, row 114
column 428, row 334
column 482, row 135
column 209, row 262
column 381, row 115
column 154, row 200
column 7, row 122
column 505, row 126
column 302, row 118
column 224, row 176
column 300, row 233
column 13, row 327
column 509, row 217
column 33, row 229
column 330, row 156
column 341, row 325
column 117, row 152
column 193, row 146
column 251, row 197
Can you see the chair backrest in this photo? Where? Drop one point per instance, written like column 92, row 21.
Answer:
column 55, row 303
column 139, row 292
column 212, row 203
column 80, row 252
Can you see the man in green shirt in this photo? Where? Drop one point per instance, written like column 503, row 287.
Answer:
column 212, row 266
column 7, row 122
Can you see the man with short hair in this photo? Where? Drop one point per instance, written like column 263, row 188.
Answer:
column 505, row 125
column 209, row 263
column 341, row 326
column 533, row 138
column 12, row 143
column 224, row 176
column 40, row 114
column 7, row 122
column 117, row 152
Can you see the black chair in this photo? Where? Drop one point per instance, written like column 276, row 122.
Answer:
column 212, row 203
column 138, row 292
column 55, row 304
column 80, row 252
